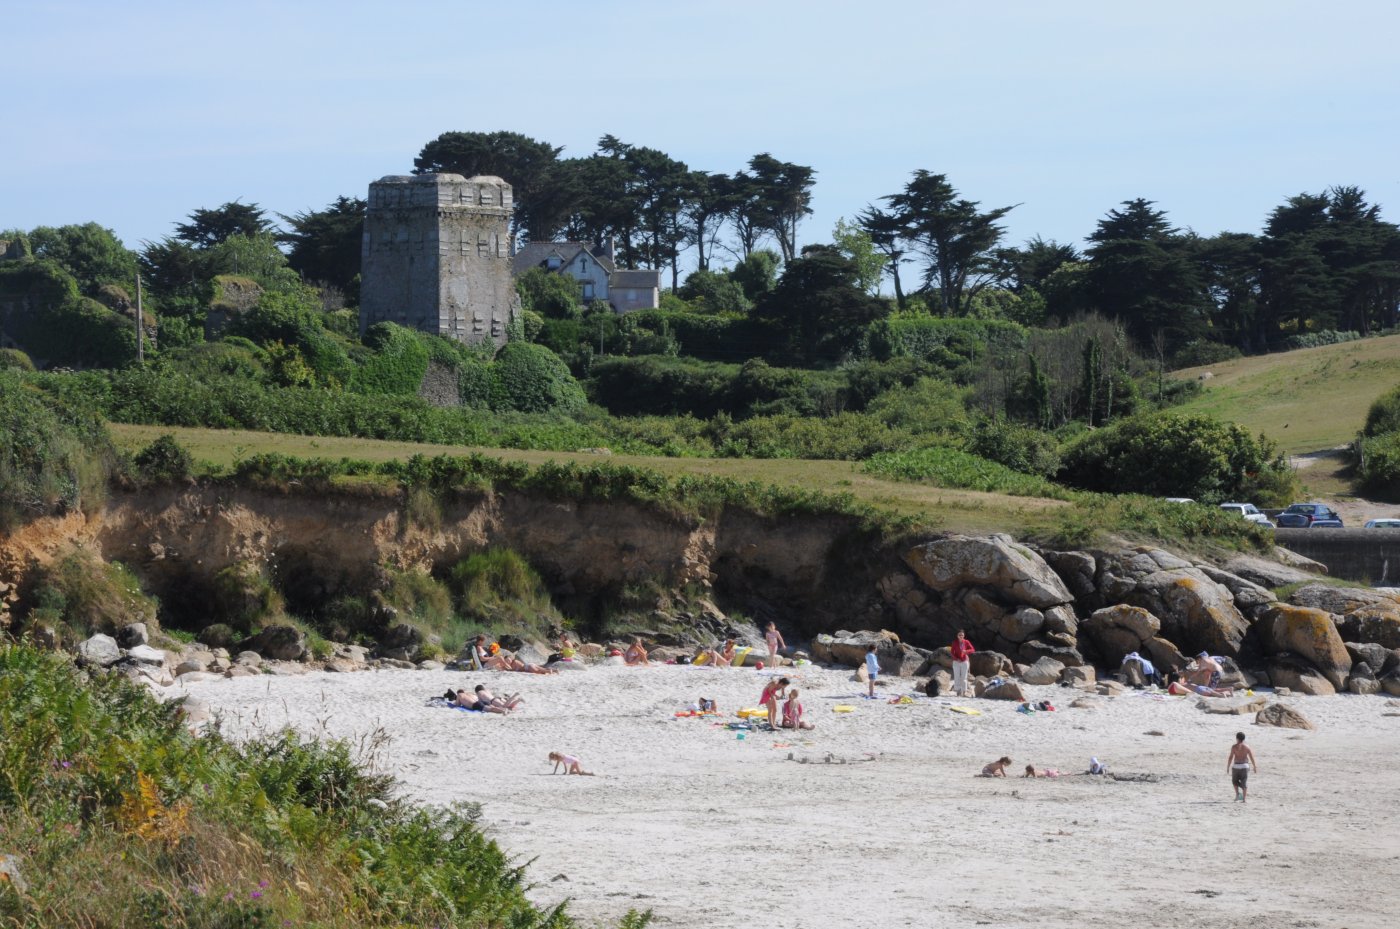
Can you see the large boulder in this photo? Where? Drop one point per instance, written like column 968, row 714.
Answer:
column 1310, row 634
column 1333, row 599
column 1021, row 625
column 1117, row 630
column 988, row 664
column 848, row 648
column 100, row 651
column 1054, row 645
column 1390, row 682
column 1013, row 570
column 1044, row 671
column 1248, row 595
column 144, row 654
column 1195, row 611
column 1277, row 714
column 132, row 635
column 1378, row 624
column 1270, row 573
column 401, row 642
column 1164, row 655
column 279, row 642
column 1376, row 656
column 1298, row 676
column 1005, row 690
column 1076, row 569
column 1363, row 680
column 1074, row 677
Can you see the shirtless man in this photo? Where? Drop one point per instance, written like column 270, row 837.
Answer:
column 1241, row 759
column 1203, row 670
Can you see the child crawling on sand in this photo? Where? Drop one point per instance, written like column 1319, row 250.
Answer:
column 571, row 764
column 996, row 768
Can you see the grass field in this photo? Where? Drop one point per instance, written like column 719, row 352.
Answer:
column 956, row 510
column 1305, row 400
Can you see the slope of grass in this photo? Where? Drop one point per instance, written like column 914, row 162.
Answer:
column 1305, row 400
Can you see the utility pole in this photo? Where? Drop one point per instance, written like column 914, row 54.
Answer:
column 140, row 350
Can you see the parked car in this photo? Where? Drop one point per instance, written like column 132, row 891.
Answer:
column 1249, row 511
column 1168, row 499
column 1306, row 515
column 1383, row 524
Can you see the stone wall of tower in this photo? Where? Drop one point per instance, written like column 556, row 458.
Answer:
column 436, row 256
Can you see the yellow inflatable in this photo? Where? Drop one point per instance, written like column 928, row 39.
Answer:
column 752, row 711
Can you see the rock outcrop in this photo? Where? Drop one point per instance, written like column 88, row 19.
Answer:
column 1278, row 714
column 1310, row 634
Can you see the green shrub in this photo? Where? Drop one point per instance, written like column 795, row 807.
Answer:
column 244, row 598
column 1321, row 337
column 1199, row 352
column 953, row 344
column 164, row 461
column 55, row 455
column 1378, row 465
column 531, row 379
column 58, row 325
column 551, row 295
column 1020, row 448
column 949, row 467
column 1384, row 415
column 202, row 833
column 397, row 366
column 1179, row 455
column 12, row 359
column 498, row 590
column 84, row 595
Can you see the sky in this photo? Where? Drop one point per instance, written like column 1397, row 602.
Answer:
column 134, row 114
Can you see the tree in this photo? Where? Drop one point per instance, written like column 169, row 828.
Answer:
column 1230, row 269
column 714, row 292
column 817, row 309
column 855, row 243
column 92, row 254
column 524, row 163
column 886, row 233
column 1030, row 265
column 1144, row 271
column 956, row 241
column 757, row 273
column 781, row 194
column 208, row 228
column 709, row 200
column 325, row 244
column 553, row 296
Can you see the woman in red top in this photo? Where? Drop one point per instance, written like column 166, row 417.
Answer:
column 962, row 651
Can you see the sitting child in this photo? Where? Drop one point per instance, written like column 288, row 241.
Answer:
column 792, row 713
column 996, row 768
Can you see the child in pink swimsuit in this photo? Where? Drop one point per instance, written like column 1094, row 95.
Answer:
column 792, row 713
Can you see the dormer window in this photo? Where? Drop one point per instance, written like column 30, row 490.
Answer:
column 552, row 262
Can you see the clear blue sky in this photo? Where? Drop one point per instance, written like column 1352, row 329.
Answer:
column 133, row 114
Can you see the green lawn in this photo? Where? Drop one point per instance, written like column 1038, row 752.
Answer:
column 957, row 510
column 1305, row 400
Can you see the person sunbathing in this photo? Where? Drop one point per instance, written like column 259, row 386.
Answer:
column 469, row 701
column 486, row 700
column 1045, row 772
column 996, row 768
column 1204, row 670
column 636, row 653
column 1181, row 688
column 726, row 654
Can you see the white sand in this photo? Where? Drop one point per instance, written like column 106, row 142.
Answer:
column 711, row 831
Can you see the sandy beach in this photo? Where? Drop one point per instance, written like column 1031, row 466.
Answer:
column 885, row 824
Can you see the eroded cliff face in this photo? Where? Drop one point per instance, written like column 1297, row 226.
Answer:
column 320, row 545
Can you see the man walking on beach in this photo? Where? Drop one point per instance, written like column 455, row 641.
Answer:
column 962, row 653
column 1238, row 764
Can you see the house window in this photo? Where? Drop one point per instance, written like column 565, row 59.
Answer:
column 552, row 263
column 583, row 265
column 588, row 290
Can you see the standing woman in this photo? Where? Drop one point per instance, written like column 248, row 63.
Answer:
column 962, row 653
column 771, row 691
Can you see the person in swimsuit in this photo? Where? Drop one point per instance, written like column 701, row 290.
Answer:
column 492, row 704
column 726, row 654
column 774, row 638
column 636, row 652
column 1204, row 670
column 996, row 768
column 1240, row 760
column 571, row 764
column 769, row 700
column 792, row 713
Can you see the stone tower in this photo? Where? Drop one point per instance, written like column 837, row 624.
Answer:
column 436, row 256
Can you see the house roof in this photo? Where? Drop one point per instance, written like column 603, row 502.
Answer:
column 635, row 279
column 535, row 254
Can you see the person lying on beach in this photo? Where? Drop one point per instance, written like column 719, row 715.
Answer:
column 485, row 700
column 769, row 700
column 469, row 701
column 636, row 653
column 996, row 768
column 1045, row 772
column 792, row 713
column 571, row 764
column 1181, row 688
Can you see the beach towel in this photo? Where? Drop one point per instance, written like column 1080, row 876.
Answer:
column 843, row 708
column 965, row 710
column 442, row 702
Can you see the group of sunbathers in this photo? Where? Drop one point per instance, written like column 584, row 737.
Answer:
column 483, row 700
column 484, row 657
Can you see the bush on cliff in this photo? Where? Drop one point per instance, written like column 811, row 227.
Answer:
column 1180, row 455
column 81, row 595
column 119, row 817
column 498, row 590
column 54, row 456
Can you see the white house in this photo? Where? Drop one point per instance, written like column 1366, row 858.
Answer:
column 598, row 278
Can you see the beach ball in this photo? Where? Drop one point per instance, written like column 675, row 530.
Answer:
column 759, row 666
